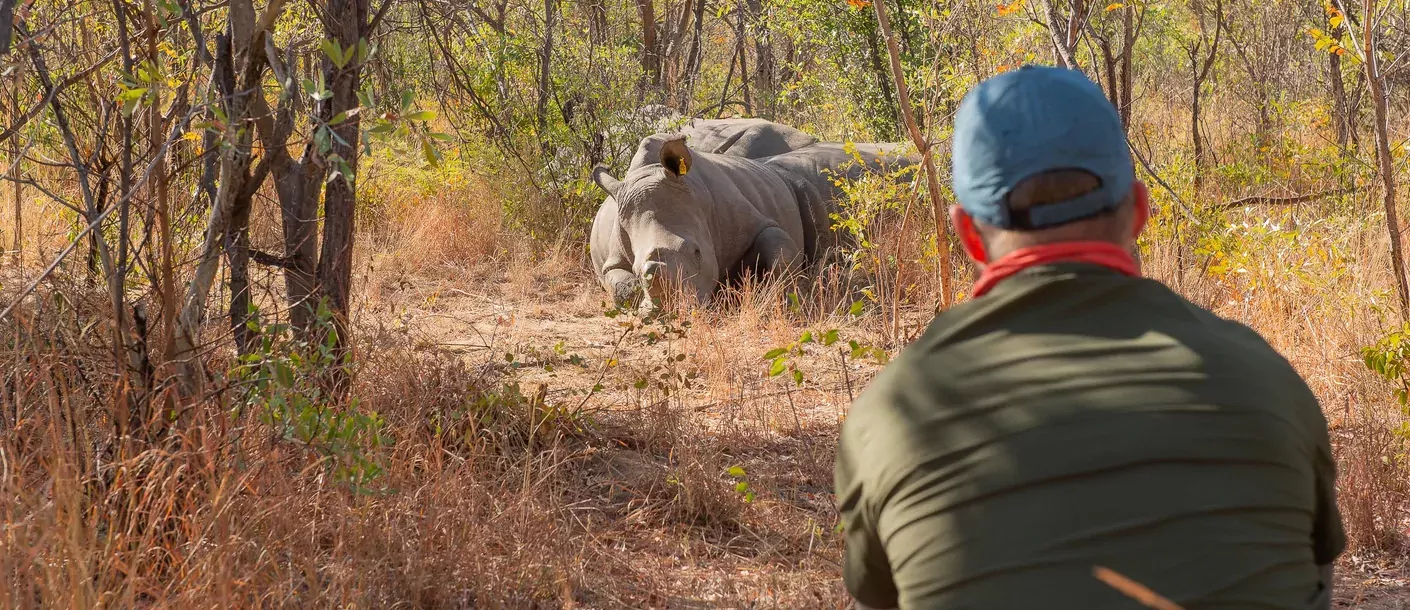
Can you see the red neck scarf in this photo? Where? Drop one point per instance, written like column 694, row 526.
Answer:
column 1106, row 254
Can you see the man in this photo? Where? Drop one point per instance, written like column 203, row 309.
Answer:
column 1073, row 415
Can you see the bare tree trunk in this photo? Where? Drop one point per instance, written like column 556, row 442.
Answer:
column 692, row 62
column 650, row 54
column 16, row 158
column 1065, row 33
column 550, row 18
column 739, row 49
column 597, row 22
column 1129, row 33
column 942, row 237
column 1199, row 68
column 348, row 18
column 764, row 69
column 1340, row 115
column 883, row 80
column 1376, row 79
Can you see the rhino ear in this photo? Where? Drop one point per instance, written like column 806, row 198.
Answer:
column 675, row 157
column 605, row 181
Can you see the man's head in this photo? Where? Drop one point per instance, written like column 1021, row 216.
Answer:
column 1040, row 157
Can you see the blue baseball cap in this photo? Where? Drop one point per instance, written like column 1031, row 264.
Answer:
column 1029, row 121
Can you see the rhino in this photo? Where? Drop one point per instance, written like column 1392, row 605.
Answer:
column 747, row 138
column 697, row 218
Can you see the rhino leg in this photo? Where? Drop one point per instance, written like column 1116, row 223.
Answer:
column 774, row 252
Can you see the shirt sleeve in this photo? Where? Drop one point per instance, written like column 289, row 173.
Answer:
column 1328, row 537
column 866, row 572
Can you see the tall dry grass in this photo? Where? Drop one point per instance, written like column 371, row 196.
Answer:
column 528, row 465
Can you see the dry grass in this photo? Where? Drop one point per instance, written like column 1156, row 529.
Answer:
column 543, row 454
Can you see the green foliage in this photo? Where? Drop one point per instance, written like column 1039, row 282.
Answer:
column 784, row 359
column 657, row 325
column 285, row 383
column 741, row 483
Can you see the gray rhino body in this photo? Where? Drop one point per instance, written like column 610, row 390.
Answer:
column 700, row 218
column 743, row 138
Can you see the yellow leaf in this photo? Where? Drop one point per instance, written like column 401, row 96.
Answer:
column 1335, row 21
column 1011, row 8
column 1113, row 6
column 1315, row 32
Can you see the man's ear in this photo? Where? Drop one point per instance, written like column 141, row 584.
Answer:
column 970, row 239
column 1141, row 194
column 605, row 181
column 675, row 157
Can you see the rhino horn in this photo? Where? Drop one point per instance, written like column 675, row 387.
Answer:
column 605, row 181
column 730, row 142
column 675, row 156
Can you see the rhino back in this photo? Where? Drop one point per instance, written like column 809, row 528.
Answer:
column 814, row 171
column 745, row 198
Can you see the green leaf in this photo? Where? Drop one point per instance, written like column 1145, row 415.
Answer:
column 334, row 52
column 133, row 94
column 807, row 337
column 736, row 471
column 856, row 309
column 797, row 377
column 830, row 337
column 338, row 118
column 382, row 128
column 640, row 384
column 430, row 153
column 444, row 137
column 422, row 115
column 407, row 99
column 776, row 352
column 778, row 367
column 362, row 50
column 741, row 486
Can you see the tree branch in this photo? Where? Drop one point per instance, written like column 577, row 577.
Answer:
column 1285, row 200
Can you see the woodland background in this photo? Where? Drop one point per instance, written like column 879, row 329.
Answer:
column 297, row 309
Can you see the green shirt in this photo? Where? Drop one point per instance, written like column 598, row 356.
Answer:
column 1075, row 417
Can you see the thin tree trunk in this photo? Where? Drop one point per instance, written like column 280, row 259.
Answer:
column 942, row 238
column 692, row 62
column 16, row 158
column 883, row 80
column 550, row 18
column 1340, row 115
column 650, row 55
column 1128, row 50
column 764, row 70
column 743, row 57
column 1383, row 154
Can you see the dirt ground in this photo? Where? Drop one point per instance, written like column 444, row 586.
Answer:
column 698, row 385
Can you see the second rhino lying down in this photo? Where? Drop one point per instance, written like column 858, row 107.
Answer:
column 699, row 218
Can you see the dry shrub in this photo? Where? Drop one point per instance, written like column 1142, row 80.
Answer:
column 1373, row 487
column 440, row 230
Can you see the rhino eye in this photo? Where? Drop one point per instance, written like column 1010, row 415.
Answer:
column 696, row 251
